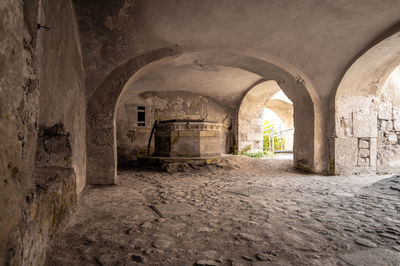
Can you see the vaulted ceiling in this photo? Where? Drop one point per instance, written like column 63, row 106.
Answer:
column 320, row 38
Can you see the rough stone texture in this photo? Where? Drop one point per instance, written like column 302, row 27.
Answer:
column 377, row 256
column 101, row 133
column 19, row 103
column 377, row 133
column 187, row 139
column 305, row 221
column 132, row 43
column 132, row 140
column 37, row 198
column 364, row 124
column 250, row 117
column 346, row 158
column 62, row 91
column 388, row 149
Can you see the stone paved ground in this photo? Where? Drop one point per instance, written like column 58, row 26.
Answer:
column 294, row 219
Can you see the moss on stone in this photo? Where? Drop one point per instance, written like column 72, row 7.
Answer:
column 303, row 168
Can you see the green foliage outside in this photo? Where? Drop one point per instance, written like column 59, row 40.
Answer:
column 269, row 127
column 247, row 148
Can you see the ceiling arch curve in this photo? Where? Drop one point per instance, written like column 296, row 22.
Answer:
column 102, row 103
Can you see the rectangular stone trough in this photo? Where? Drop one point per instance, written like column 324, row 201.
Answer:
column 188, row 138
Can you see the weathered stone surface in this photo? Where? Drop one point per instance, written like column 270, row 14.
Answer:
column 364, row 124
column 363, row 144
column 396, row 113
column 206, row 263
column 162, row 244
column 385, row 111
column 396, row 124
column 346, row 154
column 377, row 256
column 187, row 139
column 363, row 153
column 138, row 258
column 250, row 114
column 132, row 139
column 392, row 138
column 248, row 237
column 41, row 84
column 365, row 242
column 36, row 202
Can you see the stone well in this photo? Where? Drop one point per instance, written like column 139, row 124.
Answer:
column 188, row 138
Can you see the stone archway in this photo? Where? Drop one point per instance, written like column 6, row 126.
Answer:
column 284, row 110
column 357, row 112
column 250, row 120
column 101, row 135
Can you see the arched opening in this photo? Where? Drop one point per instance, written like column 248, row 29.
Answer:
column 102, row 107
column 365, row 112
column 279, row 110
column 265, row 121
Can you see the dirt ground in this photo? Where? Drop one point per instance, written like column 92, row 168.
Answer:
column 286, row 218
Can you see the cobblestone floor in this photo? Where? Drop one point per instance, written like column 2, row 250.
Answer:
column 290, row 219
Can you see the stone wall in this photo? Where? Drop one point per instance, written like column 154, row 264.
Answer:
column 41, row 117
column 388, row 141
column 132, row 140
column 355, row 144
column 367, row 132
column 62, row 91
column 19, row 101
column 251, row 124
column 250, row 117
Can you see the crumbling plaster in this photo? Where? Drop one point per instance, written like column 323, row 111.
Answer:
column 37, row 198
column 357, row 107
column 113, row 33
column 388, row 132
column 62, row 88
column 132, row 140
column 102, row 105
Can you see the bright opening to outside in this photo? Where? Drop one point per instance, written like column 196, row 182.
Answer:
column 278, row 134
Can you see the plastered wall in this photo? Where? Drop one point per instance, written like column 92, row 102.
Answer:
column 388, row 130
column 62, row 90
column 368, row 130
column 132, row 140
column 42, row 118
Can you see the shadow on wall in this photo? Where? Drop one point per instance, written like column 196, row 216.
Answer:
column 55, row 196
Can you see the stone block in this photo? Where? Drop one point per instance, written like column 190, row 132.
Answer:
column 188, row 138
column 363, row 153
column 373, row 151
column 396, row 113
column 389, row 125
column 392, row 138
column 363, row 161
column 346, row 150
column 385, row 111
column 382, row 125
column 363, row 144
column 396, row 125
column 365, row 124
